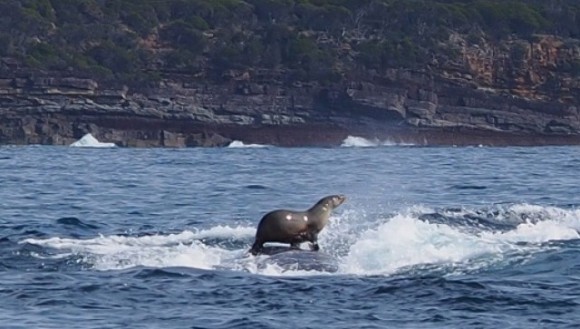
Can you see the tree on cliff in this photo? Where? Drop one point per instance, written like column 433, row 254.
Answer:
column 137, row 41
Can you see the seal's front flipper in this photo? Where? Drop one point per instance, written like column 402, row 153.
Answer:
column 257, row 248
column 253, row 252
column 313, row 237
column 295, row 245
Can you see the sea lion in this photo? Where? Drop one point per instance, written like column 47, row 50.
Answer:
column 295, row 227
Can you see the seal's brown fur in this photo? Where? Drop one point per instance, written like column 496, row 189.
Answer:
column 295, row 227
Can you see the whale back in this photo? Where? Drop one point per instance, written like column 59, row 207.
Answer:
column 299, row 259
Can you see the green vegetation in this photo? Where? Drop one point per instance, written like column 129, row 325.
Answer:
column 121, row 40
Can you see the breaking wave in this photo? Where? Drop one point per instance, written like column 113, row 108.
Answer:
column 240, row 144
column 89, row 140
column 417, row 239
column 354, row 141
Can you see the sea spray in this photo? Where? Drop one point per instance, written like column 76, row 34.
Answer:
column 356, row 141
column 240, row 144
column 89, row 141
column 383, row 247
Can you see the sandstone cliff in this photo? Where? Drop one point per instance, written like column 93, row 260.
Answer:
column 460, row 86
column 402, row 106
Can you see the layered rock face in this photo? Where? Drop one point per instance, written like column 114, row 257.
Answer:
column 412, row 108
column 490, row 97
column 61, row 110
column 293, row 73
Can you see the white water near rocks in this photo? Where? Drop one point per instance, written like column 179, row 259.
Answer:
column 240, row 144
column 89, row 140
column 355, row 141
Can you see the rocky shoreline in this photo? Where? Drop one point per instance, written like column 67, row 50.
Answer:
column 405, row 106
column 205, row 73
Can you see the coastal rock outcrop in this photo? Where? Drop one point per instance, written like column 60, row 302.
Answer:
column 205, row 73
column 413, row 106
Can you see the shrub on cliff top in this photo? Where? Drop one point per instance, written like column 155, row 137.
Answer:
column 182, row 35
column 306, row 35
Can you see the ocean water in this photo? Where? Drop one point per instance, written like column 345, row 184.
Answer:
column 430, row 237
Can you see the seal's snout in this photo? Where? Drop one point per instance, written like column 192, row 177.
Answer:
column 338, row 200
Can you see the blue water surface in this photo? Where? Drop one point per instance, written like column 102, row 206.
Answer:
column 156, row 238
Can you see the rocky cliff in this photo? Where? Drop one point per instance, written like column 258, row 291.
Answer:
column 469, row 88
column 404, row 106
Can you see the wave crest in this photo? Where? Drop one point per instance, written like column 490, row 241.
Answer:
column 89, row 140
column 355, row 141
column 240, row 144
column 384, row 247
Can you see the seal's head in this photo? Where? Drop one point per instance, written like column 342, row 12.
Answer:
column 331, row 201
column 337, row 200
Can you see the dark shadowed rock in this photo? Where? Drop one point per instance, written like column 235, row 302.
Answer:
column 415, row 111
column 484, row 99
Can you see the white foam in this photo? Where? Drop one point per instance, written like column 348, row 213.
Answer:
column 240, row 144
column 89, row 140
column 383, row 247
column 536, row 233
column 119, row 252
column 355, row 141
column 404, row 241
column 541, row 224
column 219, row 231
column 535, row 213
column 225, row 231
column 113, row 253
